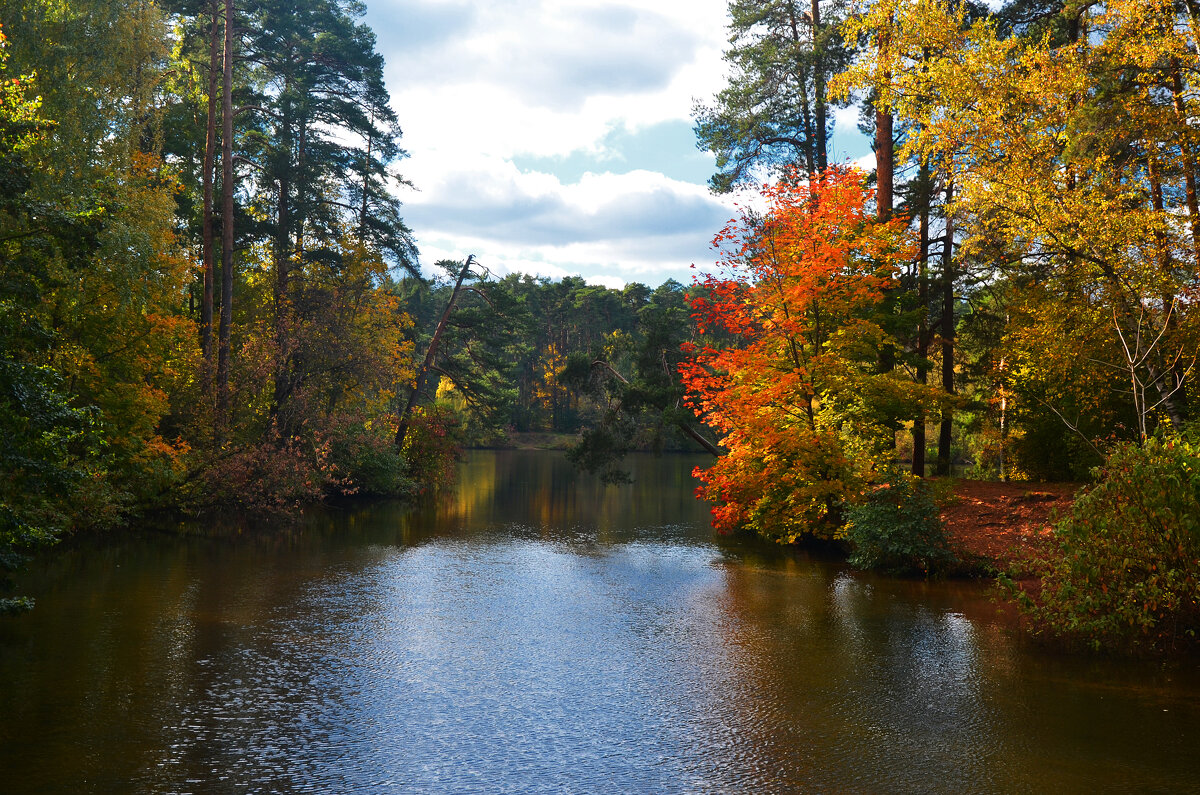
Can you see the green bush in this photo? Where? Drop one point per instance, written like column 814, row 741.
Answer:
column 366, row 456
column 431, row 448
column 1128, row 569
column 898, row 529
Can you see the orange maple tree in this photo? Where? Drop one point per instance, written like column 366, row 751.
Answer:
column 796, row 390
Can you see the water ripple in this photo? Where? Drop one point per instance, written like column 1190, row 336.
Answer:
column 479, row 648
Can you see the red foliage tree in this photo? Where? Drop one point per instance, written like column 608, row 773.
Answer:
column 796, row 393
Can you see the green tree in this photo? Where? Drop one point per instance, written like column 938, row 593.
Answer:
column 774, row 112
column 93, row 233
column 39, row 464
column 322, row 147
column 483, row 340
column 634, row 378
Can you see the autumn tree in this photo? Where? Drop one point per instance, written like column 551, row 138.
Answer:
column 1075, row 149
column 798, row 397
column 94, row 235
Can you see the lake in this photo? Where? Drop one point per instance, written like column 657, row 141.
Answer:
column 536, row 631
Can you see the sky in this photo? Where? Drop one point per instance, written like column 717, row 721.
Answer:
column 555, row 138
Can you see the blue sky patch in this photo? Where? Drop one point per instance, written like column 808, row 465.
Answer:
column 668, row 148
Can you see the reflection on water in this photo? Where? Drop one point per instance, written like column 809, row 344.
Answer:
column 535, row 631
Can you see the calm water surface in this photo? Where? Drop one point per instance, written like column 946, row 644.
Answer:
column 536, row 632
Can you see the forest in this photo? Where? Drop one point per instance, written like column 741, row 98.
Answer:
column 210, row 301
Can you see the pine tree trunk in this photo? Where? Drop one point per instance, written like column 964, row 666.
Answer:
column 282, row 273
column 226, row 222
column 207, row 242
column 884, row 164
column 819, row 86
column 918, row 431
column 362, row 211
column 810, row 153
column 884, row 178
column 944, row 436
column 1189, row 160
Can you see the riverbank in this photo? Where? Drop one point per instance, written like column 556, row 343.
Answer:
column 548, row 440
column 538, row 440
column 1005, row 525
column 534, row 626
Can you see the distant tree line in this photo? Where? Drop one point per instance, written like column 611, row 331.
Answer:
column 561, row 356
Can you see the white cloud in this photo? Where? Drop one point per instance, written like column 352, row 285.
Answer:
column 639, row 226
column 845, row 119
column 865, row 163
column 477, row 84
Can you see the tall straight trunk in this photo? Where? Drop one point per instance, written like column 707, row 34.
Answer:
column 285, row 252
column 884, row 179
column 884, row 164
column 1167, row 266
column 282, row 271
column 362, row 210
column 918, row 431
column 819, row 86
column 226, row 221
column 810, row 161
column 884, row 173
column 301, row 181
column 1189, row 159
column 283, row 244
column 207, row 243
column 944, row 435
column 1003, row 421
column 1165, row 263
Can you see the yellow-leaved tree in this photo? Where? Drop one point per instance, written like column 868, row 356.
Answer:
column 1074, row 171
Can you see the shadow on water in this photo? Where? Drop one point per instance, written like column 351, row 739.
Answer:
column 533, row 630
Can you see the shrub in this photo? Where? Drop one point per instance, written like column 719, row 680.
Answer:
column 272, row 475
column 1128, row 569
column 363, row 460
column 898, row 529
column 431, row 448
